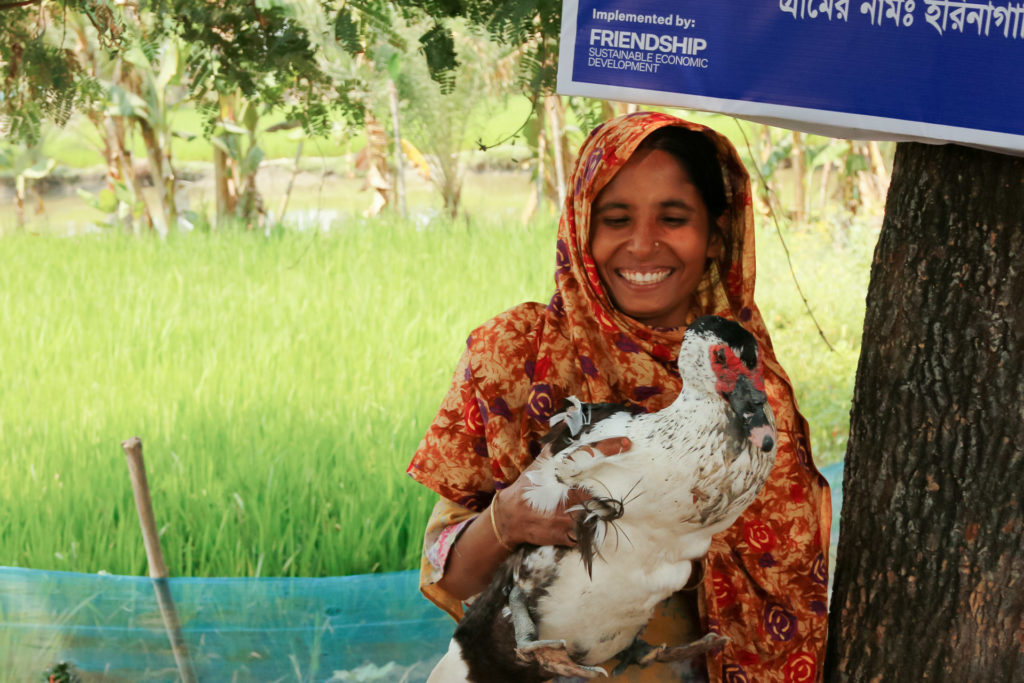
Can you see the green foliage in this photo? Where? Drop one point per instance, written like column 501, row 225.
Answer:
column 346, row 31
column 588, row 112
column 437, row 119
column 253, row 47
column 438, row 47
column 39, row 76
column 258, row 48
column 533, row 25
column 270, row 50
column 834, row 278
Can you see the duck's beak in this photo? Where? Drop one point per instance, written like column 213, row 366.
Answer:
column 751, row 407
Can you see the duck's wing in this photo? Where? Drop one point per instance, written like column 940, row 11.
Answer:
column 578, row 425
column 578, row 420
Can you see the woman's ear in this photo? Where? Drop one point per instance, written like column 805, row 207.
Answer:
column 715, row 241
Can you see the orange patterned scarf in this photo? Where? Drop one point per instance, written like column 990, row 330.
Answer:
column 765, row 582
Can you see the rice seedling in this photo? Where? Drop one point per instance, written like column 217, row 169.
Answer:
column 280, row 384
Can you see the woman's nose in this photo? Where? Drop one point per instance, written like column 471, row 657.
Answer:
column 642, row 240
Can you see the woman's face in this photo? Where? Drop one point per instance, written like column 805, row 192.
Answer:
column 650, row 238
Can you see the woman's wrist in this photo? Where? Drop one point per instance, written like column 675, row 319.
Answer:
column 501, row 534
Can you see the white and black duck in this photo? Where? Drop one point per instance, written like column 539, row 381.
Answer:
column 693, row 467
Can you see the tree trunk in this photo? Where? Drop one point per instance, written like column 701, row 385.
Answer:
column 222, row 188
column 163, row 178
column 396, row 132
column 375, row 155
column 19, row 203
column 117, row 135
column 553, row 106
column 930, row 574
column 291, row 183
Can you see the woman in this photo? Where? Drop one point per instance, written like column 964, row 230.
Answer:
column 647, row 232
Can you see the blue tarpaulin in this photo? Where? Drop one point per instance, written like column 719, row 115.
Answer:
column 353, row 628
column 374, row 627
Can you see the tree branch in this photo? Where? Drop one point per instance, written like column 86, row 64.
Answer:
column 19, row 3
column 778, row 231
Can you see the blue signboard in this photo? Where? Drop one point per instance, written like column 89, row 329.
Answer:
column 934, row 70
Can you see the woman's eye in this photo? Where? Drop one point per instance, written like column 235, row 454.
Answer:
column 615, row 221
column 676, row 220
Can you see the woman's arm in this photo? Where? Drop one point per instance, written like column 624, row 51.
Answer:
column 478, row 552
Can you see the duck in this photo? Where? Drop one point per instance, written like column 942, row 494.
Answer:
column 688, row 473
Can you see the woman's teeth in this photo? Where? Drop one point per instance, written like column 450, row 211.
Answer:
column 637, row 277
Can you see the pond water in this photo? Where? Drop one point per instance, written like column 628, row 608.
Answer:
column 318, row 199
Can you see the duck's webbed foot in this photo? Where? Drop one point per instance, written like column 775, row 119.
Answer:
column 550, row 655
column 643, row 654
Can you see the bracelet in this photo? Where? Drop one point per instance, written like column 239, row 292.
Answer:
column 494, row 525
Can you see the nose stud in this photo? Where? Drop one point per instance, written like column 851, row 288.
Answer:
column 657, row 244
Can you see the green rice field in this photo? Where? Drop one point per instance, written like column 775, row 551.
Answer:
column 281, row 383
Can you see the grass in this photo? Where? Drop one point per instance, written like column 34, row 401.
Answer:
column 834, row 278
column 280, row 384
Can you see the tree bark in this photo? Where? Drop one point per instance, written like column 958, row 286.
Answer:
column 117, row 136
column 396, row 133
column 553, row 106
column 163, row 177
column 929, row 583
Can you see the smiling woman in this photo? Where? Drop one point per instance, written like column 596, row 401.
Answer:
column 652, row 233
column 657, row 230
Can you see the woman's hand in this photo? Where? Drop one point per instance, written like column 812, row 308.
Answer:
column 519, row 523
column 478, row 553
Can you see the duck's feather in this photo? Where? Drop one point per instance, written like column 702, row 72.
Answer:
column 690, row 471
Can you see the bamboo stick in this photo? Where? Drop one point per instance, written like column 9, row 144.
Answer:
column 155, row 558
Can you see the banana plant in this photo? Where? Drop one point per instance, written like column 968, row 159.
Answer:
column 138, row 90
column 25, row 164
column 147, row 96
column 237, row 158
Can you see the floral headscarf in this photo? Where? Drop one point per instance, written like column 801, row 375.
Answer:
column 765, row 580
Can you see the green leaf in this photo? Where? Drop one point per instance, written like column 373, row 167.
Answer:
column 252, row 160
column 250, row 117
column 105, row 201
column 124, row 194
column 829, row 152
column 40, row 170
column 136, row 57
column 395, row 66
column 221, row 143
column 346, row 32
column 169, row 65
column 438, row 46
column 232, row 127
column 856, row 163
column 126, row 103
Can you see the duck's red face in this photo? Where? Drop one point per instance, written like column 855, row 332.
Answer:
column 740, row 381
column 729, row 367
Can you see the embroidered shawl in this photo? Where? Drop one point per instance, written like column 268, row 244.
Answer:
column 765, row 578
